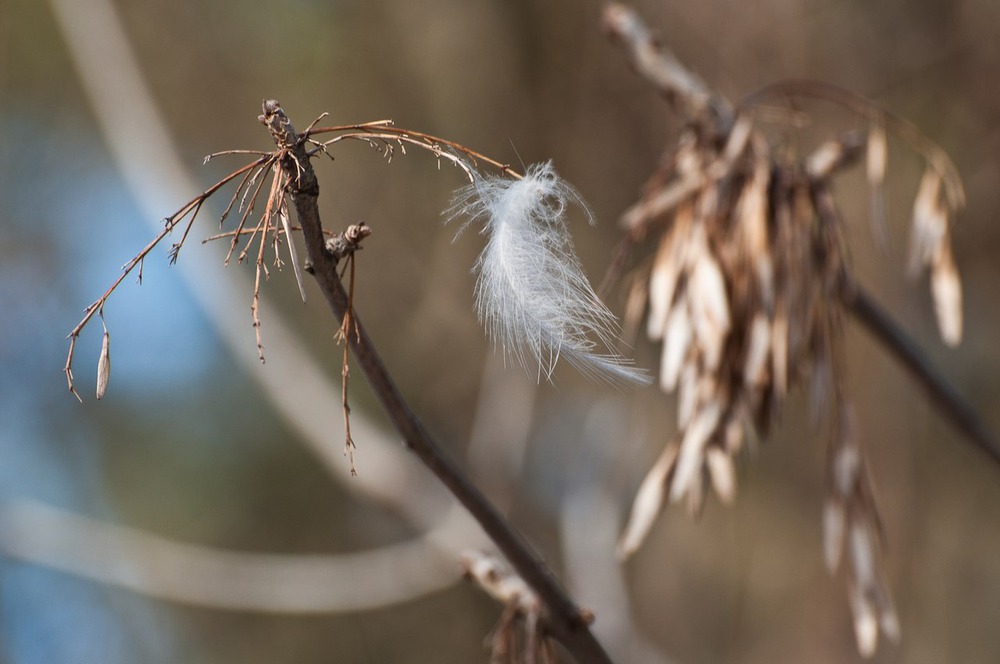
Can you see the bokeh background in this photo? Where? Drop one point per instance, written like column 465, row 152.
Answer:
column 198, row 444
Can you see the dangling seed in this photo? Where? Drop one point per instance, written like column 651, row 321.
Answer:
column 758, row 348
column 722, row 473
column 865, row 621
column 834, row 523
column 648, row 502
column 691, row 458
column 930, row 223
column 876, row 154
column 668, row 266
column 946, row 289
column 676, row 343
column 104, row 365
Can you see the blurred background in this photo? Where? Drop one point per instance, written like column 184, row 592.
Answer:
column 203, row 512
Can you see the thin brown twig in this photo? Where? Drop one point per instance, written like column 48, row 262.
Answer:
column 241, row 232
column 940, row 392
column 423, row 140
column 137, row 262
column 261, row 226
column 226, row 153
column 313, row 124
column 175, row 248
column 247, row 208
column 248, row 178
column 345, row 370
column 384, row 143
column 274, row 199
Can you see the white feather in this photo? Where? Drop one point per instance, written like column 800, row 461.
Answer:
column 532, row 295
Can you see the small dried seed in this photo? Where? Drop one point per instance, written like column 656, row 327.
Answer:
column 946, row 289
column 833, row 533
column 104, row 365
column 648, row 502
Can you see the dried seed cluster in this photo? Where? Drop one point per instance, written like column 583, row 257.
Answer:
column 745, row 293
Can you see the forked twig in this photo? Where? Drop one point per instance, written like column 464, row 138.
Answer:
column 192, row 208
column 248, row 191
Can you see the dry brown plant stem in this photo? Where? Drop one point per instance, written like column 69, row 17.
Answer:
column 345, row 370
column 940, row 392
column 345, row 245
column 563, row 618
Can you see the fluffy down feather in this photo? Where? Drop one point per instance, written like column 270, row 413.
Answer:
column 532, row 295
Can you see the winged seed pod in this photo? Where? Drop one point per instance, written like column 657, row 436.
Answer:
column 532, row 295
column 930, row 246
column 852, row 530
column 743, row 297
column 104, row 365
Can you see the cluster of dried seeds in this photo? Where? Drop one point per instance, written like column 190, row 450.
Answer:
column 746, row 293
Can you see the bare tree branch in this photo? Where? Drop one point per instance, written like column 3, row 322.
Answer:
column 563, row 617
column 187, row 573
column 941, row 393
column 659, row 66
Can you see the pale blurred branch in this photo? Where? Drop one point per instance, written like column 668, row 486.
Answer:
column 589, row 524
column 166, row 569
